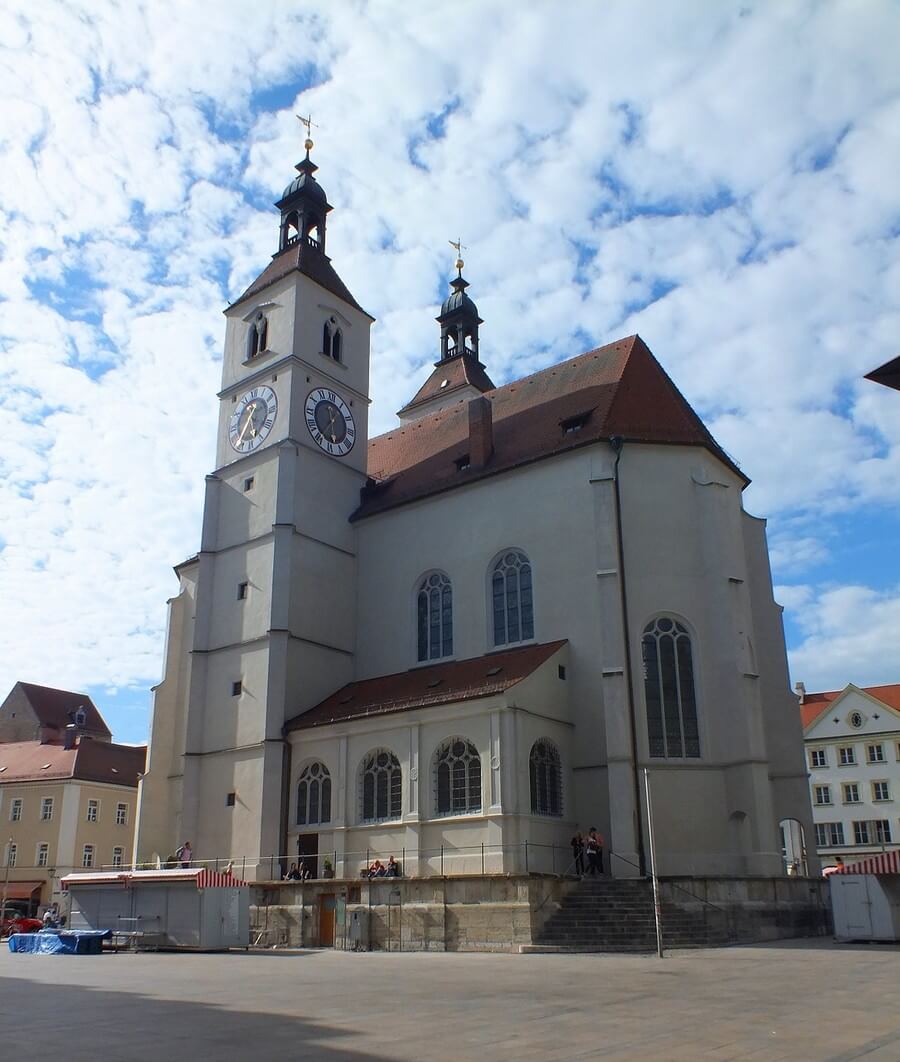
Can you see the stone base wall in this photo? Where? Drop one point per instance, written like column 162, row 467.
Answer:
column 500, row 913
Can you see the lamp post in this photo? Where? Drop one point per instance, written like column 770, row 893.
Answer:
column 6, row 882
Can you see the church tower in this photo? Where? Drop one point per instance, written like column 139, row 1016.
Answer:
column 265, row 625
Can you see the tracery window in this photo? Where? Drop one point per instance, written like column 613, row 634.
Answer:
column 546, row 778
column 512, row 599
column 669, row 690
column 434, row 612
column 314, row 795
column 457, row 778
column 332, row 340
column 257, row 335
column 381, row 789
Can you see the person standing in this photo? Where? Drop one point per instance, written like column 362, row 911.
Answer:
column 185, row 854
column 577, row 843
column 594, row 845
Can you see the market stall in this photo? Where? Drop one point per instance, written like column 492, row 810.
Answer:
column 180, row 908
column 865, row 899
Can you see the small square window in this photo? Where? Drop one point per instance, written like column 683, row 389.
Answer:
column 236, row 688
column 230, row 800
column 822, row 794
column 242, row 591
column 875, row 753
column 248, row 483
column 851, row 793
column 847, row 756
column 818, row 758
column 880, row 791
column 462, row 463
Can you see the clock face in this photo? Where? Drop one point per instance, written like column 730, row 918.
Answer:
column 330, row 421
column 252, row 420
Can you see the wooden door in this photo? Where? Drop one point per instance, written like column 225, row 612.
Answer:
column 327, row 904
column 308, row 853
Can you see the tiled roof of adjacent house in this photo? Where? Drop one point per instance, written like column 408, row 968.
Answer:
column 816, row 704
column 89, row 760
column 308, row 260
column 618, row 389
column 426, row 687
column 57, row 707
column 448, row 377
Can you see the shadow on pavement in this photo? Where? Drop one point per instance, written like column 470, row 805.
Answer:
column 53, row 1021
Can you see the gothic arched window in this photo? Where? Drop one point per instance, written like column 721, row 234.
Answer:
column 546, row 778
column 457, row 778
column 257, row 335
column 434, row 615
column 337, row 343
column 380, row 787
column 511, row 599
column 314, row 795
column 672, row 730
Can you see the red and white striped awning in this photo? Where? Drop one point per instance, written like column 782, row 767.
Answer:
column 202, row 877
column 883, row 863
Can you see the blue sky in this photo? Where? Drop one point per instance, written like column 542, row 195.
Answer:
column 720, row 180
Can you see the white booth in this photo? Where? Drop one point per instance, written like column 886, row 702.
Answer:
column 180, row 908
column 865, row 899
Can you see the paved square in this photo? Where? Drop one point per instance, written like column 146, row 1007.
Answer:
column 794, row 1000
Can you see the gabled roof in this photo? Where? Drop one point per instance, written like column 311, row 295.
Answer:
column 426, row 687
column 305, row 259
column 888, row 374
column 450, row 376
column 89, row 761
column 57, row 708
column 815, row 705
column 618, row 389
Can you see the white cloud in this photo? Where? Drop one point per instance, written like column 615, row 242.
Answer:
column 723, row 185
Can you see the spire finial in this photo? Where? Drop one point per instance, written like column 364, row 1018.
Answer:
column 309, row 123
column 459, row 263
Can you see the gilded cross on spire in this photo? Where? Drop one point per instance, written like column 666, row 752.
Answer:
column 458, row 244
column 309, row 123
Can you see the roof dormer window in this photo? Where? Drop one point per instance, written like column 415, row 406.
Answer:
column 573, row 425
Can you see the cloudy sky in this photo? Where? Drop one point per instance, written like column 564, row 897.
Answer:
column 720, row 177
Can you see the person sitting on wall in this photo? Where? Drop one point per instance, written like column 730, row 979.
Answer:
column 305, row 872
column 293, row 874
column 377, row 869
column 393, row 868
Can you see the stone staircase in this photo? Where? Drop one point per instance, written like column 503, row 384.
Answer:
column 616, row 915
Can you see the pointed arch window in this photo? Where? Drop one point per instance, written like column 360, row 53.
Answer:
column 332, row 340
column 669, row 690
column 257, row 335
column 380, row 787
column 314, row 795
column 457, row 778
column 545, row 772
column 512, row 599
column 434, row 614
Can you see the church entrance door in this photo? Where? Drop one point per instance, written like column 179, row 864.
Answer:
column 308, row 853
column 327, row 904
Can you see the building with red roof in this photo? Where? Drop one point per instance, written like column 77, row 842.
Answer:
column 68, row 793
column 471, row 633
column 852, row 739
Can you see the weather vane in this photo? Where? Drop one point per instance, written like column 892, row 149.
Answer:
column 309, row 123
column 458, row 244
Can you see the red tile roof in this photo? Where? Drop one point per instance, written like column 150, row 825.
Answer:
column 816, row 704
column 450, row 376
column 308, row 260
column 887, row 374
column 89, row 760
column 57, row 708
column 426, row 687
column 620, row 389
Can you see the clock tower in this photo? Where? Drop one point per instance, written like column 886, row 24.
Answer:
column 271, row 630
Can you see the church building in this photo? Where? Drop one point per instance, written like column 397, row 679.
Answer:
column 463, row 640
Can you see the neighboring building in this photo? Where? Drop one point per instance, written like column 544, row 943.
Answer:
column 67, row 792
column 427, row 640
column 852, row 739
column 887, row 374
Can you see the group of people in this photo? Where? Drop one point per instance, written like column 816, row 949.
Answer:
column 590, row 846
column 381, row 870
column 301, row 873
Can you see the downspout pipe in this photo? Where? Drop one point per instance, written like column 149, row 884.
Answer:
column 617, row 443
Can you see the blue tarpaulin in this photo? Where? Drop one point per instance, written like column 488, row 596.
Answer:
column 60, row 942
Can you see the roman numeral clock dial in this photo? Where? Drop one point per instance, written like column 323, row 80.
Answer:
column 330, row 421
column 252, row 420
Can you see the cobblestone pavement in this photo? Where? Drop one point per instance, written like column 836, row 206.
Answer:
column 794, row 1000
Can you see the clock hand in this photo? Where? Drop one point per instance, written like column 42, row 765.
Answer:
column 247, row 424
